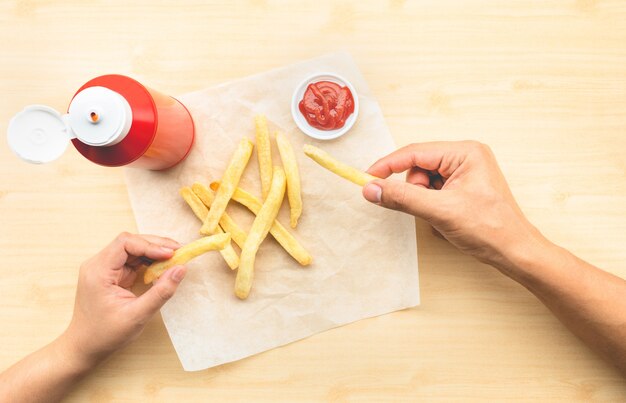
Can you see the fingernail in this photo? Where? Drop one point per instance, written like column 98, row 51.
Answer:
column 167, row 250
column 179, row 273
column 372, row 192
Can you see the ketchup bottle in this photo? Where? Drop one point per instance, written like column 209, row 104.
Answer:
column 113, row 121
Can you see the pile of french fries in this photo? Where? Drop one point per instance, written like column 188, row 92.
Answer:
column 220, row 230
column 209, row 204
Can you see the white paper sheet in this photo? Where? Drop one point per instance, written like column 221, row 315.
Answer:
column 365, row 257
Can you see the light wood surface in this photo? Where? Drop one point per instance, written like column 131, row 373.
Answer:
column 542, row 82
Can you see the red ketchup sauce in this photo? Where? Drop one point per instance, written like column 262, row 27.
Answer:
column 326, row 105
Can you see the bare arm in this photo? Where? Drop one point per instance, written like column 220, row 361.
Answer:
column 459, row 189
column 589, row 301
column 44, row 376
column 107, row 316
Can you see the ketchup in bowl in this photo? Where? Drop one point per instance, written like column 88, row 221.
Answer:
column 326, row 105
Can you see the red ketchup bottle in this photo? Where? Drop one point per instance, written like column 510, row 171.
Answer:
column 113, row 121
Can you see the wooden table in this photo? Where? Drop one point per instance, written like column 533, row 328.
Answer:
column 544, row 83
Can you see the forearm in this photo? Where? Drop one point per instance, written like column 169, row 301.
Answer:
column 589, row 301
column 107, row 316
column 459, row 189
column 44, row 376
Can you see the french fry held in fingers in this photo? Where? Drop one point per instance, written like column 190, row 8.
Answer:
column 260, row 227
column 206, row 196
column 278, row 231
column 231, row 178
column 264, row 153
column 185, row 253
column 337, row 167
column 293, row 178
column 201, row 211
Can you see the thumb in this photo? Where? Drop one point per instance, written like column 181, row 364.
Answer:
column 162, row 290
column 402, row 196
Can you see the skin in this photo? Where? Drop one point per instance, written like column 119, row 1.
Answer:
column 107, row 316
column 448, row 182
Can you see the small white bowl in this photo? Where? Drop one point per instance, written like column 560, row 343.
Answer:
column 300, row 120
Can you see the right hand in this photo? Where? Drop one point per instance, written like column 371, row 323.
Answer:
column 459, row 189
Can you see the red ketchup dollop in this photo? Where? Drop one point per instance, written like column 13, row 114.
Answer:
column 326, row 105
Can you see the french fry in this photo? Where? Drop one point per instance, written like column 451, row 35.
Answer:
column 264, row 153
column 293, row 177
column 196, row 205
column 206, row 197
column 339, row 168
column 278, row 231
column 185, row 253
column 260, row 227
column 230, row 180
column 201, row 211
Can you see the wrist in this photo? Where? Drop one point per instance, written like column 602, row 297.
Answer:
column 522, row 258
column 76, row 361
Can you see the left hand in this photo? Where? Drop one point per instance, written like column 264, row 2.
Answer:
column 107, row 315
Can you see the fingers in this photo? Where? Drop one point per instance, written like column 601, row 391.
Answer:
column 127, row 278
column 373, row 193
column 442, row 157
column 437, row 182
column 140, row 245
column 163, row 289
column 125, row 247
column 161, row 241
column 418, row 176
column 402, row 196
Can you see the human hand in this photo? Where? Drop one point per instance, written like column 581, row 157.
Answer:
column 107, row 315
column 459, row 189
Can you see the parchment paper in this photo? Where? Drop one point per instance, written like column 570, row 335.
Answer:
column 365, row 257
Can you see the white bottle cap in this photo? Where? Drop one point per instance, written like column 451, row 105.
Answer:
column 97, row 116
column 38, row 134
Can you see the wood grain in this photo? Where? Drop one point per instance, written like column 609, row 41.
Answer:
column 543, row 83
